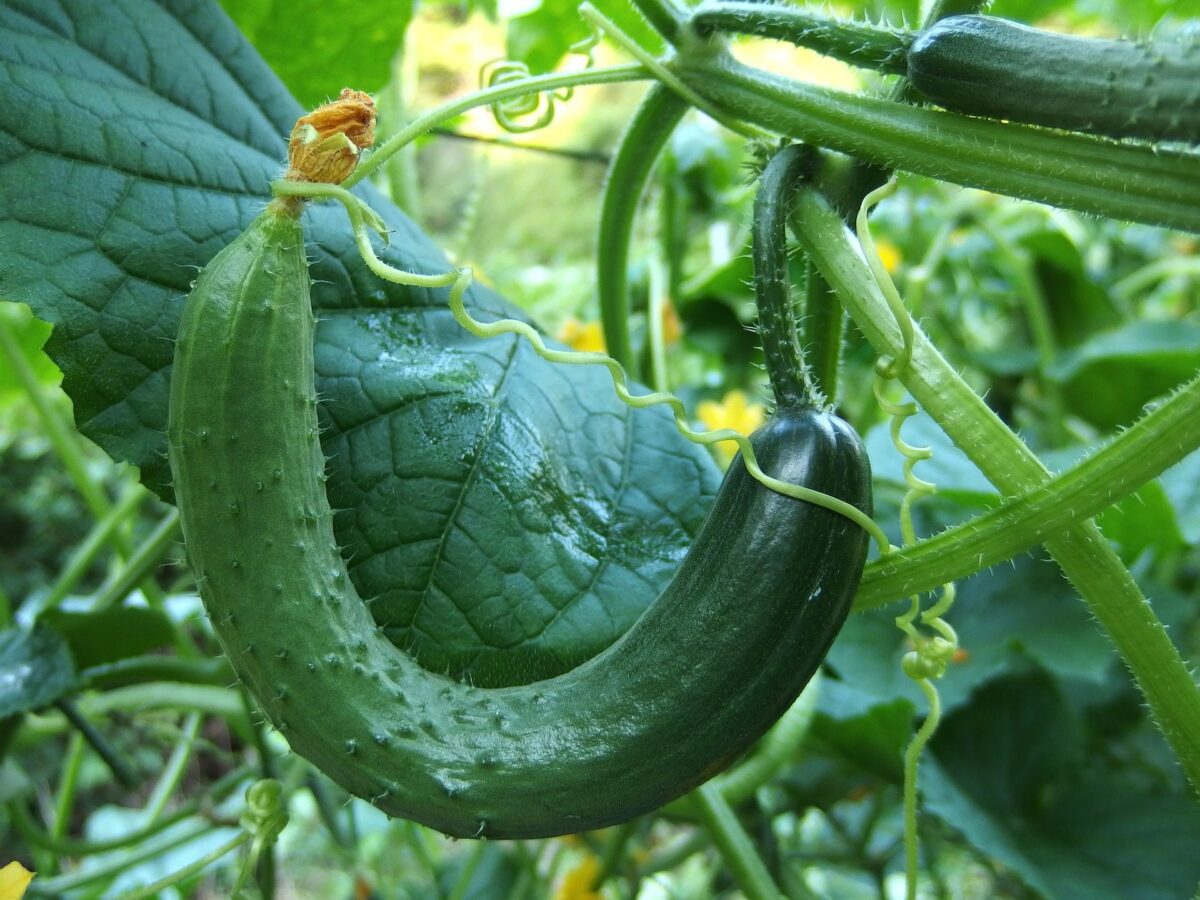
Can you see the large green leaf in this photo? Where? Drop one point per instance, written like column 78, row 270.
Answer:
column 510, row 517
column 1011, row 773
column 1112, row 376
column 320, row 46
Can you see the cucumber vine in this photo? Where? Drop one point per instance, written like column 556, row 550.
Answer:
column 930, row 654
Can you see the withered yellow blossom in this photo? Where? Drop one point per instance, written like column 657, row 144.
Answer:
column 325, row 144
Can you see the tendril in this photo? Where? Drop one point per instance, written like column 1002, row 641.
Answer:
column 264, row 819
column 931, row 653
column 363, row 217
column 530, row 112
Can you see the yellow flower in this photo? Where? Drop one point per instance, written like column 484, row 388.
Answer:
column 672, row 327
column 14, row 879
column 584, row 336
column 734, row 411
column 889, row 253
column 577, row 884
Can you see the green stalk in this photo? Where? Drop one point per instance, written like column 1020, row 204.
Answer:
column 5, row 609
column 172, row 774
column 663, row 15
column 142, row 669
column 1135, row 283
column 1093, row 175
column 100, row 536
column 643, row 141
column 193, row 868
column 64, row 800
column 116, row 764
column 144, row 561
column 777, row 324
column 486, row 97
column 1086, row 558
column 1037, row 315
column 822, row 333
column 683, row 846
column 34, row 837
column 463, row 883
column 216, row 701
column 614, row 852
column 878, row 47
column 58, row 887
column 61, row 438
column 735, row 845
column 65, row 442
column 1157, row 441
column 654, row 322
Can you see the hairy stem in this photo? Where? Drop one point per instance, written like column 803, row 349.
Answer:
column 1102, row 177
column 777, row 325
column 878, row 47
column 1153, row 444
column 1086, row 558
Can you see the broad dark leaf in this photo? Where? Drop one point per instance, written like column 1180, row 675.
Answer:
column 35, row 669
column 511, row 517
column 1010, row 773
column 111, row 634
column 1112, row 376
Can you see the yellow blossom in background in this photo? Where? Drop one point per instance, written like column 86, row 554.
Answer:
column 14, row 879
column 734, row 411
column 672, row 327
column 889, row 253
column 577, row 884
column 583, row 336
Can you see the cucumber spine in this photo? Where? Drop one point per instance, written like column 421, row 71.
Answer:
column 702, row 674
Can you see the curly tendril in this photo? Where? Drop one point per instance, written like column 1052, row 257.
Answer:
column 363, row 217
column 263, row 820
column 931, row 653
column 514, row 114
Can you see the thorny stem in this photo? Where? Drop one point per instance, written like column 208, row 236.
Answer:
column 1085, row 556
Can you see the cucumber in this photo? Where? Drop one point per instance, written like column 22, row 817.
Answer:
column 713, row 662
column 992, row 67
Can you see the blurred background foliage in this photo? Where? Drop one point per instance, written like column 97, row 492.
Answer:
column 1046, row 778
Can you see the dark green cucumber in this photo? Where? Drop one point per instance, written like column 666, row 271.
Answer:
column 992, row 67
column 714, row 661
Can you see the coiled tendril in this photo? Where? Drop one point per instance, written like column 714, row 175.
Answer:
column 931, row 653
column 530, row 112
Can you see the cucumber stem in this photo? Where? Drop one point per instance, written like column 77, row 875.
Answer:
column 1129, row 460
column 641, row 145
column 1082, row 552
column 777, row 322
column 878, row 47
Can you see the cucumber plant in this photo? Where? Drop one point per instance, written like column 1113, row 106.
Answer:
column 714, row 661
column 249, row 472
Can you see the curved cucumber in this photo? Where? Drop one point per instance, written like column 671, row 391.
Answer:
column 717, row 658
column 992, row 67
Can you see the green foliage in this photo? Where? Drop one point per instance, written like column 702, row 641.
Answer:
column 1047, row 777
column 1012, row 772
column 434, row 438
column 317, row 47
column 37, row 669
